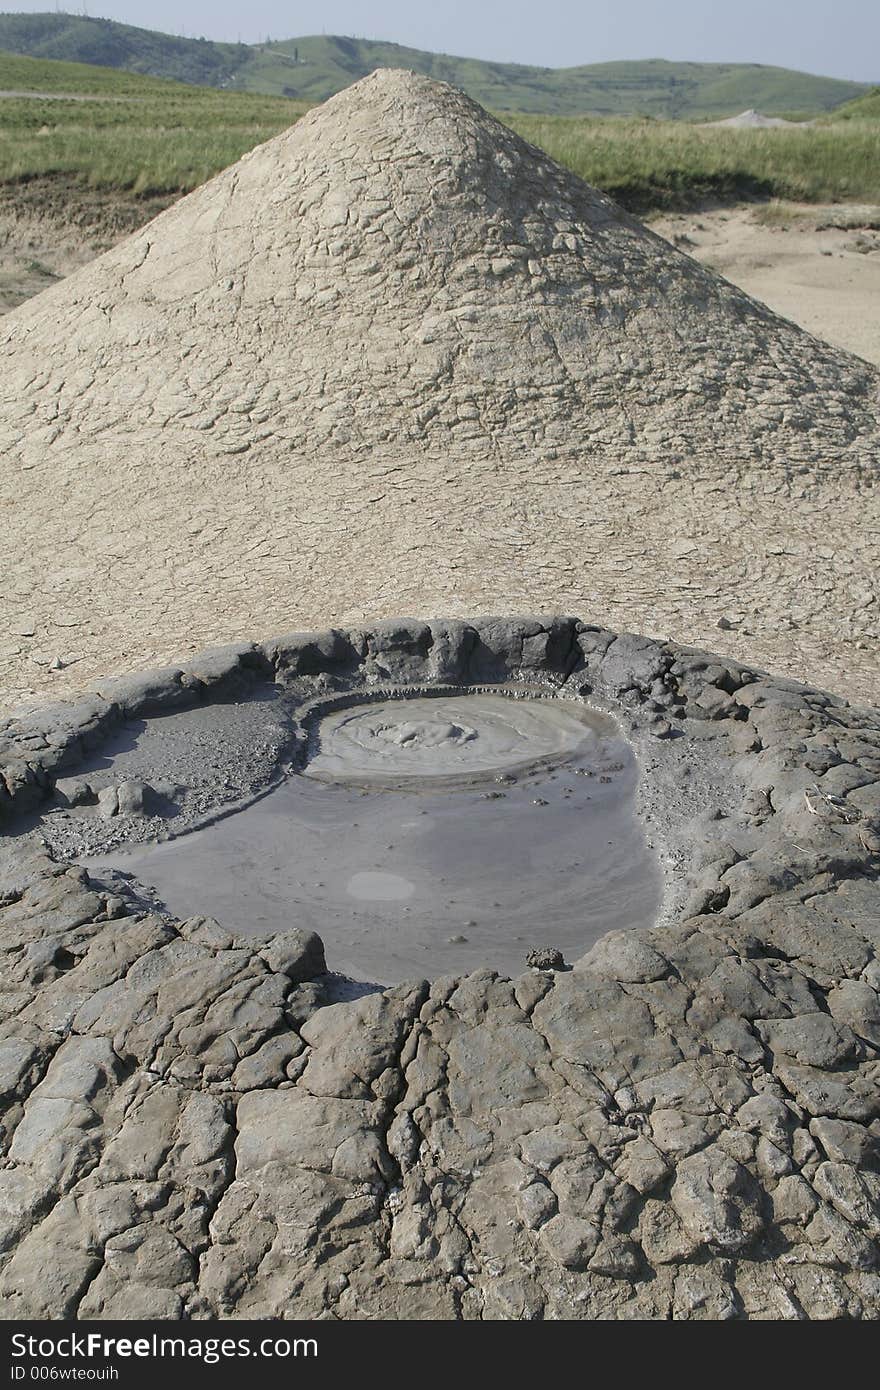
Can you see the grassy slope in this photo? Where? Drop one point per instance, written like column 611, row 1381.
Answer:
column 36, row 75
column 865, row 108
column 312, row 68
column 126, row 131
column 662, row 164
column 74, row 38
column 655, row 87
column 153, row 136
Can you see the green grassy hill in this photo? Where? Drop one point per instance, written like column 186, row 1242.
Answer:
column 103, row 129
column 43, row 75
column 313, row 68
column 123, row 131
column 77, row 39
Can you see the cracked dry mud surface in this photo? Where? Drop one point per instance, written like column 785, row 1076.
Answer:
column 684, row 1125
column 396, row 359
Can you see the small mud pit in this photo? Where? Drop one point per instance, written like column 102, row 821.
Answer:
column 428, row 836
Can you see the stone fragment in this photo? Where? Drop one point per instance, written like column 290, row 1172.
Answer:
column 643, row 1166
column 546, row 958
column 663, row 1236
column 856, row 1005
column 704, row 1294
column 813, row 1039
column 845, row 1142
column 294, row 1128
column 855, row 1195
column 73, row 791
column 297, row 954
column 132, row 798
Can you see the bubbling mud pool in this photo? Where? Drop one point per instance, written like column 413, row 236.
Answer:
column 428, row 836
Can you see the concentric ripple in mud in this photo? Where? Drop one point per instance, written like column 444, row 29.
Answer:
column 449, row 736
column 430, row 836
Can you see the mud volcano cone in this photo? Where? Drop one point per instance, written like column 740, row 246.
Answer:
column 398, row 359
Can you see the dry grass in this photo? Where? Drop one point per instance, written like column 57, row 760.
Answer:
column 664, row 164
column 160, row 137
column 168, row 140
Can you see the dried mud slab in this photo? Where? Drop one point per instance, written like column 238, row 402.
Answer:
column 684, row 1125
column 394, row 359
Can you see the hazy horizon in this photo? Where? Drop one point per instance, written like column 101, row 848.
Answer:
column 563, row 33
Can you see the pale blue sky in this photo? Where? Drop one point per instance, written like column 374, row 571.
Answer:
column 840, row 38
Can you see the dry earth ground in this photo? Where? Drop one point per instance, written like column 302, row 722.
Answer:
column 818, row 266
column 51, row 227
column 836, row 296
column 776, row 567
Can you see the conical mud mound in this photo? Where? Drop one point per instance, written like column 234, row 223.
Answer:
column 396, row 358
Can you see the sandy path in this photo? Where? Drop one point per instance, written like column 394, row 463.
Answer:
column 64, row 96
column 826, row 278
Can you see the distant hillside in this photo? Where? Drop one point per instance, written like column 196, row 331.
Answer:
column 311, row 69
column 76, row 39
column 49, row 76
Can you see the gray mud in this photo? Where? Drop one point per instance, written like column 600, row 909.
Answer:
column 684, row 1125
column 200, row 763
column 429, row 836
column 445, row 736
